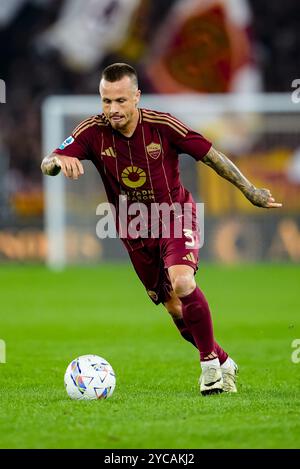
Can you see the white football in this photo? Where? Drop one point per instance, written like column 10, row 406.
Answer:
column 90, row 377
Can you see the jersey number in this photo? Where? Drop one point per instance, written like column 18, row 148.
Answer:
column 191, row 239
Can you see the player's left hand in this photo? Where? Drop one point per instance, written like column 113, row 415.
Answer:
column 263, row 198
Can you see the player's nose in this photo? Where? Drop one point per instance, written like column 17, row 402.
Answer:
column 114, row 109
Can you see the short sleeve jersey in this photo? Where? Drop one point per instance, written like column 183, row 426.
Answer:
column 145, row 166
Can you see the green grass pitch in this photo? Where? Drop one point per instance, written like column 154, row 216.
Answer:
column 47, row 319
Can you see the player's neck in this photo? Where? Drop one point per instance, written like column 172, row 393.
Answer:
column 130, row 128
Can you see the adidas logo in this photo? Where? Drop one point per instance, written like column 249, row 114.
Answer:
column 109, row 152
column 189, row 257
column 211, row 356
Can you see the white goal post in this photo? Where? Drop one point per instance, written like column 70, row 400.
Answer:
column 60, row 114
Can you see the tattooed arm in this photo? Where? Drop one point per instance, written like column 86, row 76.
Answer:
column 53, row 164
column 225, row 168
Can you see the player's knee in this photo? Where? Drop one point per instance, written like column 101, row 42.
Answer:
column 174, row 308
column 183, row 285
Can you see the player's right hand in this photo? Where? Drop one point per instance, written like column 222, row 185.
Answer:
column 71, row 167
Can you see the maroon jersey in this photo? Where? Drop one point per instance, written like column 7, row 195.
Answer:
column 143, row 167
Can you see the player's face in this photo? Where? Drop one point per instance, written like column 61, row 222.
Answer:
column 119, row 102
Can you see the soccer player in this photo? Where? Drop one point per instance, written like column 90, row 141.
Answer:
column 136, row 153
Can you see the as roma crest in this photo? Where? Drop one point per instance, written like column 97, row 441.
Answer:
column 154, row 150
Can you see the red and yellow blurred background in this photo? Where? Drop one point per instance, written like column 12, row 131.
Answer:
column 58, row 47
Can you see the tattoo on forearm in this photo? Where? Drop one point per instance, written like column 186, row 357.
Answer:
column 227, row 169
column 50, row 167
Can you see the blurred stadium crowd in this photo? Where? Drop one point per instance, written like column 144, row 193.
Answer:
column 33, row 65
column 59, row 47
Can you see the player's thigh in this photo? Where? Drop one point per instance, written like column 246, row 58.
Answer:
column 146, row 263
column 181, row 256
column 149, row 267
column 182, row 249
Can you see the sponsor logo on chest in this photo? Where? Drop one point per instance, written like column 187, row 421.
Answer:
column 133, row 177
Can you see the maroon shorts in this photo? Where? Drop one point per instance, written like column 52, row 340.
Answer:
column 153, row 259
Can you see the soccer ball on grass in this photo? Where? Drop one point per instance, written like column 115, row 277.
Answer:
column 89, row 377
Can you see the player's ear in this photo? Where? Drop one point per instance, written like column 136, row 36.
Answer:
column 137, row 97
